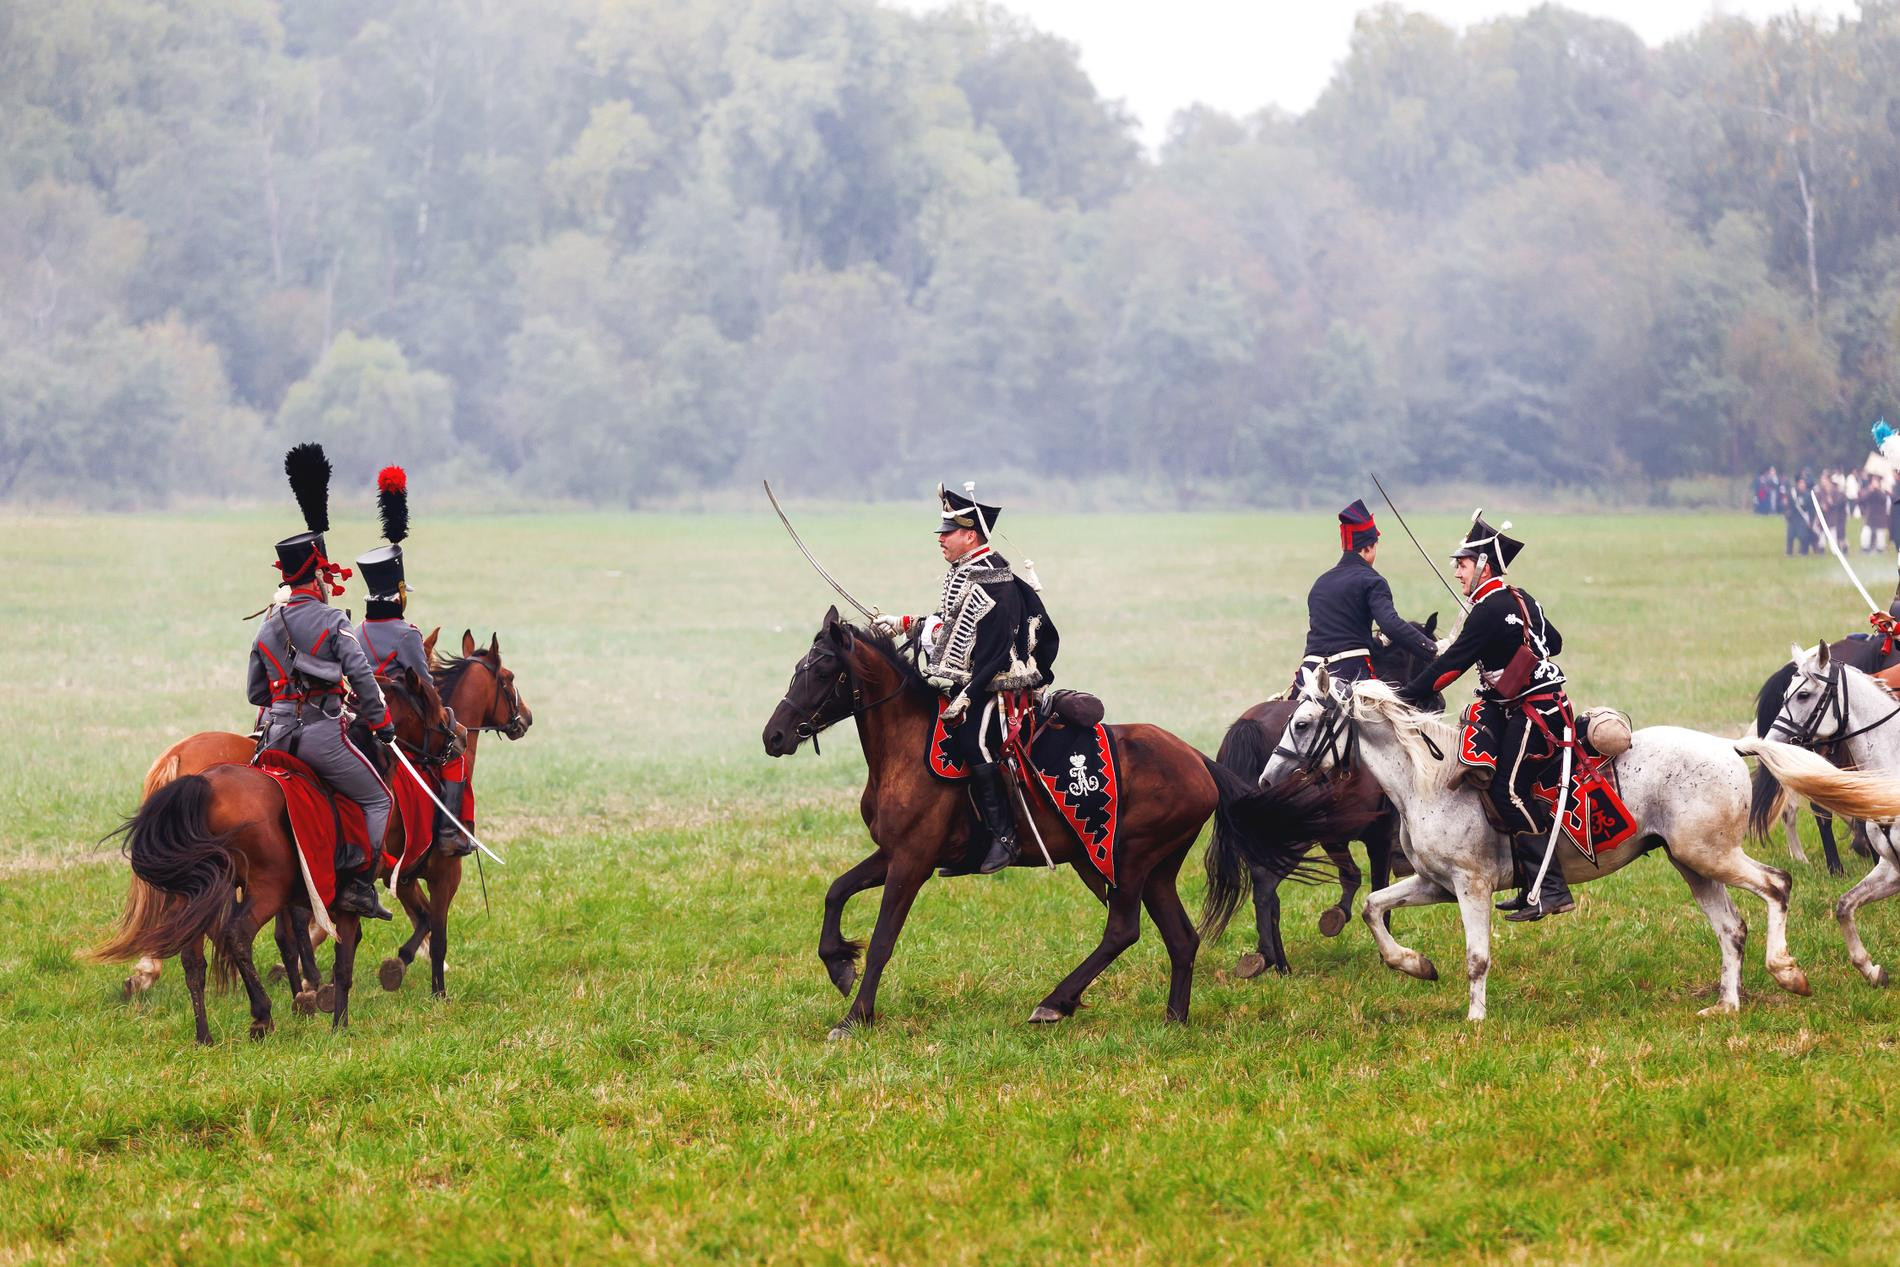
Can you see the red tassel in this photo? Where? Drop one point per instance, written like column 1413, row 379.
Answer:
column 392, row 480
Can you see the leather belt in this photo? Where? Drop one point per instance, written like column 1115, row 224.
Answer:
column 1357, row 653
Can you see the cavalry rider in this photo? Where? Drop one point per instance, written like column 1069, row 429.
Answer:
column 1521, row 715
column 391, row 640
column 304, row 652
column 989, row 647
column 1347, row 598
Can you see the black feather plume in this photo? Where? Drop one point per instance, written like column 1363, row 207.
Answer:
column 309, row 473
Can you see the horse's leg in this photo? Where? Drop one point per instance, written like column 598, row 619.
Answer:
column 239, row 936
column 1862, row 845
column 349, row 930
column 1774, row 887
column 839, row 955
column 1163, row 900
column 444, row 880
column 292, row 965
column 903, row 877
column 1266, row 923
column 1877, row 885
column 1791, row 829
column 192, row 960
column 1824, row 819
column 1413, row 890
column 144, row 976
column 1731, row 932
column 1379, row 838
column 1124, row 929
column 1474, row 908
column 392, row 970
column 1333, row 918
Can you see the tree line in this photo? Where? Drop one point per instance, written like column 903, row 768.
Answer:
column 627, row 251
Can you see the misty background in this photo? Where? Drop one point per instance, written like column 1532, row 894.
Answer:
column 640, row 252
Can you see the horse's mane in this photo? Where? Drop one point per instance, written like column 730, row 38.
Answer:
column 1371, row 697
column 888, row 649
column 448, row 673
column 1768, row 700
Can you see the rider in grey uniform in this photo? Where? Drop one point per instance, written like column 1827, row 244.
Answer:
column 304, row 652
column 390, row 640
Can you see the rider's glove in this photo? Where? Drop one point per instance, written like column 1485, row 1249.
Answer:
column 1882, row 434
column 887, row 625
column 1443, row 644
column 386, row 732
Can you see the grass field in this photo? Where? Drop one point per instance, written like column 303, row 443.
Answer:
column 632, row 1065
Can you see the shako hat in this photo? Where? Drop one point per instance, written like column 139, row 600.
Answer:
column 382, row 567
column 1488, row 544
column 303, row 557
column 1356, row 529
column 962, row 510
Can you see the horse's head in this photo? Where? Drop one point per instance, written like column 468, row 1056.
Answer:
column 1812, row 705
column 422, row 723
column 498, row 704
column 1319, row 732
column 823, row 692
column 1398, row 664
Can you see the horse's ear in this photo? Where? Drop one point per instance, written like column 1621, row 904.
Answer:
column 468, row 643
column 428, row 644
column 1431, row 625
column 494, row 645
column 831, row 617
column 1820, row 654
column 1323, row 681
column 1307, row 687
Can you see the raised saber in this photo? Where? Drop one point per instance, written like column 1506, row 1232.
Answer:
column 815, row 564
column 1455, row 596
column 453, row 818
column 1834, row 547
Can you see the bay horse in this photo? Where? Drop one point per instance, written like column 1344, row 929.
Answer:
column 215, row 851
column 1860, row 652
column 1686, row 791
column 1168, row 791
column 480, row 691
column 1244, row 749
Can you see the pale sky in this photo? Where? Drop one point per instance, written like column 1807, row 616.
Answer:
column 1159, row 56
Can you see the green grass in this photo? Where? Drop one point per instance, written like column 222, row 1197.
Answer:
column 631, row 1064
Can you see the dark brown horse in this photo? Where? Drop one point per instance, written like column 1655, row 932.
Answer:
column 216, row 848
column 1168, row 792
column 480, row 690
column 1244, row 750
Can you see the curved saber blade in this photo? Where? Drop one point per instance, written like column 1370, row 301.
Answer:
column 815, row 564
column 1455, row 597
column 1835, row 547
column 430, row 793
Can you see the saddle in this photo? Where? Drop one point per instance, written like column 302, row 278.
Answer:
column 1072, row 763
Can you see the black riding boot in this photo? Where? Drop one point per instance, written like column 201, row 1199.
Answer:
column 1527, row 852
column 992, row 802
column 449, row 840
column 357, row 896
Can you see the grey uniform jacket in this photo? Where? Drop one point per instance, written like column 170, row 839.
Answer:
column 393, row 641
column 321, row 632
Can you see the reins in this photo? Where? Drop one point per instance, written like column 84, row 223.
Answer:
column 514, row 727
column 1833, row 702
column 817, row 723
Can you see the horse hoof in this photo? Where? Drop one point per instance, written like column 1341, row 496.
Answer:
column 1794, row 981
column 843, row 975
column 277, row 974
column 1045, row 1015
column 390, row 974
column 304, row 1003
column 1724, row 1008
column 260, row 1028
column 839, row 1032
column 1878, row 977
column 1331, row 921
column 1250, row 965
column 131, row 990
column 326, row 998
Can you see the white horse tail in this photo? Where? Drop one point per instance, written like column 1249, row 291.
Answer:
column 1851, row 793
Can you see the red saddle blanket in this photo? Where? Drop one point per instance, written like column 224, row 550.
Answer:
column 1076, row 770
column 1595, row 819
column 319, row 819
column 416, row 812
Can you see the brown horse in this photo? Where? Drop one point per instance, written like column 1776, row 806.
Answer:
column 1245, row 748
column 480, row 690
column 216, row 852
column 1168, row 792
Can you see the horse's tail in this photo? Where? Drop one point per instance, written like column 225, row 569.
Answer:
column 1243, row 753
column 189, row 874
column 1272, row 828
column 1850, row 793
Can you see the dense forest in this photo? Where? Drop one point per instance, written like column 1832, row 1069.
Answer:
column 628, row 251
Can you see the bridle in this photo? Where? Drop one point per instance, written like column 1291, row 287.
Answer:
column 516, row 726
column 816, row 723
column 1833, row 705
column 443, row 725
column 1336, row 733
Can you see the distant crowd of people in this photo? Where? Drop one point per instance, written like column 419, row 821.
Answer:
column 1840, row 494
